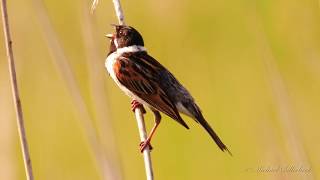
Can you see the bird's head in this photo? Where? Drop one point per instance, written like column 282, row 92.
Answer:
column 125, row 36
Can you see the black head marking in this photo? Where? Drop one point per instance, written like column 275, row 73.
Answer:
column 127, row 36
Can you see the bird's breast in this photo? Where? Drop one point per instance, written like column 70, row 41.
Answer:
column 111, row 67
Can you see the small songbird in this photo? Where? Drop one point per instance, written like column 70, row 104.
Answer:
column 149, row 83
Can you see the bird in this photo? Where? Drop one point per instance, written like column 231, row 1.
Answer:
column 149, row 83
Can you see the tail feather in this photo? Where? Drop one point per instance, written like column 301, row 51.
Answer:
column 191, row 109
column 213, row 134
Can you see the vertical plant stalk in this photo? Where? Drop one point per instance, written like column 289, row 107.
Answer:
column 138, row 111
column 119, row 12
column 143, row 137
column 15, row 92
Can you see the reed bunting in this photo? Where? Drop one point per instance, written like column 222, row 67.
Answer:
column 149, row 83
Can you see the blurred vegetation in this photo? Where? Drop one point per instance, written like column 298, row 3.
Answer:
column 253, row 67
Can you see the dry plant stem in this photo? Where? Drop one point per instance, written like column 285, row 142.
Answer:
column 143, row 137
column 138, row 111
column 15, row 92
column 119, row 12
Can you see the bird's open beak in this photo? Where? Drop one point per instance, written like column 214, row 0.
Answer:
column 110, row 36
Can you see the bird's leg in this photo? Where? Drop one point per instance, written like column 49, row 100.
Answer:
column 135, row 104
column 157, row 119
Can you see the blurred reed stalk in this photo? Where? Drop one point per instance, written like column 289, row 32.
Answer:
column 98, row 93
column 62, row 66
column 15, row 92
column 138, row 111
column 287, row 118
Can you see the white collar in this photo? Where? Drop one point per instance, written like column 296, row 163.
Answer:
column 131, row 49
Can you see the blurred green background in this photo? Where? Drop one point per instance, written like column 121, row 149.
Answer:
column 253, row 67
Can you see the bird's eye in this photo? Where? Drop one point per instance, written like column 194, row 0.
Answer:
column 121, row 33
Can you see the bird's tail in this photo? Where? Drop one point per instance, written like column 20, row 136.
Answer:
column 213, row 134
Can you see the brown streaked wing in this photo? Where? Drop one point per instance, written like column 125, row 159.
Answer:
column 140, row 77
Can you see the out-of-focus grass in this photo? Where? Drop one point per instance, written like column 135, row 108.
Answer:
column 220, row 50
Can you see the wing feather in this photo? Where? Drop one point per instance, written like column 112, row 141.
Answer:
column 139, row 74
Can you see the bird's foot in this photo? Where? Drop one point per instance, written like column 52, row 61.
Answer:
column 135, row 104
column 144, row 145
